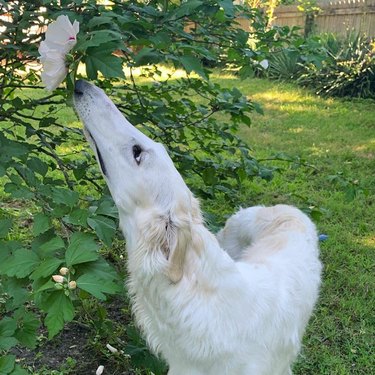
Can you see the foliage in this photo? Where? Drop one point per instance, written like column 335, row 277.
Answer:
column 56, row 214
column 285, row 64
column 330, row 65
column 309, row 6
column 348, row 68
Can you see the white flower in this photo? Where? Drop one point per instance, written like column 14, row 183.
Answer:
column 61, row 37
column 99, row 370
column 264, row 64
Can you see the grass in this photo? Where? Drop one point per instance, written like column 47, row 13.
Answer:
column 337, row 137
column 330, row 145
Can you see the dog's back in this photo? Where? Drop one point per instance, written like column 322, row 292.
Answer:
column 276, row 250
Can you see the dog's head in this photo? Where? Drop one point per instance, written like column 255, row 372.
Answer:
column 139, row 172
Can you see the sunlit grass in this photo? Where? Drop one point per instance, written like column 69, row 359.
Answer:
column 337, row 138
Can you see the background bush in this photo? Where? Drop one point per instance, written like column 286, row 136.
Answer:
column 348, row 68
column 328, row 64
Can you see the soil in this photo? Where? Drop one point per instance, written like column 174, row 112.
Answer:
column 72, row 351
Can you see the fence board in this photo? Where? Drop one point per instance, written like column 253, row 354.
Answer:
column 337, row 16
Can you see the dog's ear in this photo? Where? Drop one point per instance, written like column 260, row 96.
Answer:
column 174, row 248
column 180, row 237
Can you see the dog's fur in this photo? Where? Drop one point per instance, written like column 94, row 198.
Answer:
column 233, row 304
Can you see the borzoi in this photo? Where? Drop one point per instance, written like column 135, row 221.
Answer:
column 233, row 304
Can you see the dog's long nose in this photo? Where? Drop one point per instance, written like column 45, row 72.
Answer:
column 79, row 87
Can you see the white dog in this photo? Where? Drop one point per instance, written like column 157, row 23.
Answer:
column 237, row 304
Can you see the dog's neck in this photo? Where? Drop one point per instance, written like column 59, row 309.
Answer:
column 203, row 260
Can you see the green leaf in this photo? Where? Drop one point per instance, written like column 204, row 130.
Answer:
column 97, row 287
column 7, row 363
column 77, row 217
column 6, row 249
column 98, row 38
column 258, row 108
column 37, row 166
column 48, row 248
column 228, row 7
column 46, row 286
column 41, row 224
column 82, row 249
column 188, row 8
column 107, row 208
column 65, row 197
column 16, row 289
column 7, row 329
column 102, row 20
column 46, row 268
column 7, row 343
column 161, row 39
column 18, row 370
column 147, row 56
column 192, row 63
column 5, row 225
column 60, row 310
column 28, row 324
column 101, row 59
column 100, row 269
column 45, row 122
column 18, row 191
column 20, row 264
column 104, row 227
column 209, row 176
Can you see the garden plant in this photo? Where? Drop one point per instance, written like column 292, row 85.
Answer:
column 55, row 263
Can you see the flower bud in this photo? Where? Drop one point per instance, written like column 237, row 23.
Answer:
column 99, row 370
column 64, row 271
column 111, row 348
column 72, row 285
column 58, row 278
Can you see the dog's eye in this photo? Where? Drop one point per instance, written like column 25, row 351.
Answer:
column 137, row 151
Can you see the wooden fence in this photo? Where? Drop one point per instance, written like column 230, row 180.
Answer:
column 336, row 16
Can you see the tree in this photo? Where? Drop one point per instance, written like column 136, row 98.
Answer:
column 71, row 218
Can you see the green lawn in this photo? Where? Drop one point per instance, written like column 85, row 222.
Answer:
column 337, row 138
column 331, row 145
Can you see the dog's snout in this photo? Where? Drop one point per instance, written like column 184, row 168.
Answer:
column 79, row 87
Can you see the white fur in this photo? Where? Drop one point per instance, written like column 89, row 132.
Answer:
column 233, row 304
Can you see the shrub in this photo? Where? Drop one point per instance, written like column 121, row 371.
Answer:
column 285, row 64
column 347, row 70
column 326, row 63
column 56, row 214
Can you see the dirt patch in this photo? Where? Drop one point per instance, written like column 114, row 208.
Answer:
column 74, row 351
column 70, row 343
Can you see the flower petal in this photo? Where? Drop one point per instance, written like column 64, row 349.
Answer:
column 60, row 38
column 61, row 34
column 52, row 79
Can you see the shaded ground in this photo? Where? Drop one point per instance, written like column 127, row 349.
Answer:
column 79, row 349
